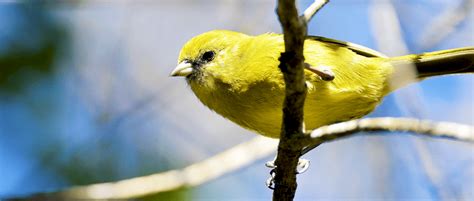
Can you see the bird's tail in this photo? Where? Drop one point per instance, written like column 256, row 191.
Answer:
column 420, row 66
column 444, row 62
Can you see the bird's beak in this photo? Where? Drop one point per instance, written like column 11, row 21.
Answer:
column 183, row 69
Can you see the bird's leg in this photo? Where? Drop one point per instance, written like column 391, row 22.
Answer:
column 324, row 72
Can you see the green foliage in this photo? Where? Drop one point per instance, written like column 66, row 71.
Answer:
column 30, row 47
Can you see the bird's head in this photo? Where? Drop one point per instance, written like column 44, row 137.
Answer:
column 206, row 56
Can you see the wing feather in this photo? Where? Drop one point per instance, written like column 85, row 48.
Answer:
column 358, row 49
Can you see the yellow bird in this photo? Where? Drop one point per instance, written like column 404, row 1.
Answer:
column 237, row 76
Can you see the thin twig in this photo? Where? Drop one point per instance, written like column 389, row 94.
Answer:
column 447, row 130
column 313, row 9
column 292, row 67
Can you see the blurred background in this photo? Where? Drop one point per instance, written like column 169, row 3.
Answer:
column 85, row 97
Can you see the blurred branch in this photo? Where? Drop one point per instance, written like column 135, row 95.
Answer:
column 292, row 67
column 444, row 24
column 193, row 175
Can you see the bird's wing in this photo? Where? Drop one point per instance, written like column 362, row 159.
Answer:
column 358, row 49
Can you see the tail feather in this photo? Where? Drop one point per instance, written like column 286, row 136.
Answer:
column 412, row 68
column 453, row 61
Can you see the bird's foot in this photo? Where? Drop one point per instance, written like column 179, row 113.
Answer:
column 303, row 165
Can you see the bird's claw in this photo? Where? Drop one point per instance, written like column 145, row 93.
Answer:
column 303, row 165
column 271, row 180
column 270, row 164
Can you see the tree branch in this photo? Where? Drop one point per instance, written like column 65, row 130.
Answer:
column 249, row 152
column 292, row 67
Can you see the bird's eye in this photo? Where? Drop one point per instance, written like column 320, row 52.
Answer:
column 208, row 56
